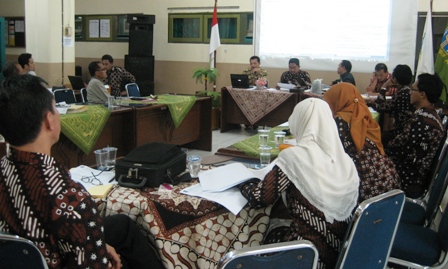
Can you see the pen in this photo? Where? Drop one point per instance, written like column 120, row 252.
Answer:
column 112, row 179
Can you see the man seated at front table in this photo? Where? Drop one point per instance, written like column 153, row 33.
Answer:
column 116, row 76
column 39, row 201
column 96, row 91
column 255, row 72
column 343, row 70
column 296, row 76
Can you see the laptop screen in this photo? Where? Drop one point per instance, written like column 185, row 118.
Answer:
column 239, row 81
column 77, row 82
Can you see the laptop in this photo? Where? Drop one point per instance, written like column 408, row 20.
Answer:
column 77, row 82
column 239, row 81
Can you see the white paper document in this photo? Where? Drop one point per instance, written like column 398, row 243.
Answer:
column 286, row 85
column 91, row 176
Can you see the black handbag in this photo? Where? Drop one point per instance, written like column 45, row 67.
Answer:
column 151, row 165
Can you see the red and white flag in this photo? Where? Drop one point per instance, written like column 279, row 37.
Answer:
column 215, row 41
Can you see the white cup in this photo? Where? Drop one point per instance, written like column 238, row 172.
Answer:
column 194, row 165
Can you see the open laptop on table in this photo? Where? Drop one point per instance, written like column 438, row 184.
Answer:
column 77, row 82
column 239, row 81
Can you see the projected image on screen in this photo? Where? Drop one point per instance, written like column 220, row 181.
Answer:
column 327, row 31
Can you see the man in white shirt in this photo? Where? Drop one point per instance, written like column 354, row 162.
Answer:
column 96, row 91
column 27, row 62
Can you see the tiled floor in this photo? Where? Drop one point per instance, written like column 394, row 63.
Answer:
column 222, row 140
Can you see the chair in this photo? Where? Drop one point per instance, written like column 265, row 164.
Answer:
column 84, row 95
column 423, row 212
column 19, row 253
column 371, row 232
column 293, row 254
column 132, row 90
column 66, row 95
column 416, row 246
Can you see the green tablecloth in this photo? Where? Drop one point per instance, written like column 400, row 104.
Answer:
column 178, row 105
column 84, row 128
column 250, row 145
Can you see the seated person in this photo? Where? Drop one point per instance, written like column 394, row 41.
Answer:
column 379, row 77
column 296, row 76
column 319, row 179
column 11, row 69
column 40, row 202
column 343, row 70
column 255, row 72
column 360, row 135
column 414, row 146
column 27, row 64
column 96, row 91
column 117, row 77
column 400, row 104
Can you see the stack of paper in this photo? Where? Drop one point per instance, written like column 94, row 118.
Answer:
column 219, row 185
column 92, row 179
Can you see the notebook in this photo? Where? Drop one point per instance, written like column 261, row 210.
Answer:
column 239, row 81
column 77, row 82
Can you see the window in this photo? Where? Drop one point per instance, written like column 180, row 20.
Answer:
column 234, row 28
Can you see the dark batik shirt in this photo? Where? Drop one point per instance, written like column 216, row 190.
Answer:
column 376, row 172
column 400, row 106
column 308, row 222
column 300, row 79
column 413, row 150
column 115, row 78
column 40, row 202
column 348, row 77
column 255, row 76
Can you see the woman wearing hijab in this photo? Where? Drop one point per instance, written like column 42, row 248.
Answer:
column 319, row 180
column 360, row 135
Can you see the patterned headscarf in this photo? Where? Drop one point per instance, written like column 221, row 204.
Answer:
column 346, row 103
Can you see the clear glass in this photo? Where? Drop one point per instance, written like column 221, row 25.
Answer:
column 101, row 155
column 265, row 156
column 279, row 138
column 263, row 137
column 194, row 165
column 111, row 157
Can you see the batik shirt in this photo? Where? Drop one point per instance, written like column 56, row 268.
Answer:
column 255, row 76
column 308, row 222
column 413, row 150
column 400, row 106
column 300, row 79
column 376, row 172
column 40, row 202
column 115, row 77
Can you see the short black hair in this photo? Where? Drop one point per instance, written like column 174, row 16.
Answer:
column 24, row 59
column 24, row 102
column 107, row 57
column 93, row 67
column 255, row 58
column 432, row 85
column 10, row 70
column 403, row 74
column 347, row 65
column 294, row 61
column 381, row 66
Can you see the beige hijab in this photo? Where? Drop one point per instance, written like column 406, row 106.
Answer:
column 318, row 165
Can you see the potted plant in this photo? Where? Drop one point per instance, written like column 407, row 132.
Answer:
column 205, row 76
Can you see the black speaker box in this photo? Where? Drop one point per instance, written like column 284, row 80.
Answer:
column 141, row 32
column 142, row 67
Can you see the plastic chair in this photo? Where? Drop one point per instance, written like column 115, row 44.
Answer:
column 84, row 95
column 132, row 90
column 66, row 95
column 293, row 254
column 423, row 212
column 19, row 253
column 370, row 235
column 416, row 246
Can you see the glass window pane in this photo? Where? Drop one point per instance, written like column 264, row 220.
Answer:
column 186, row 28
column 227, row 27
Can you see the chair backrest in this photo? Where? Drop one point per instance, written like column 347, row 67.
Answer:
column 438, row 186
column 19, row 253
column 132, row 90
column 371, row 232
column 294, row 254
column 65, row 95
column 84, row 95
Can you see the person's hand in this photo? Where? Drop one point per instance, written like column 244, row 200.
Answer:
column 256, row 70
column 391, row 91
column 114, row 258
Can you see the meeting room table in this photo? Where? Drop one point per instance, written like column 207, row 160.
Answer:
column 188, row 231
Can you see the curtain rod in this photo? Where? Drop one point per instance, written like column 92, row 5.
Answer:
column 198, row 8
